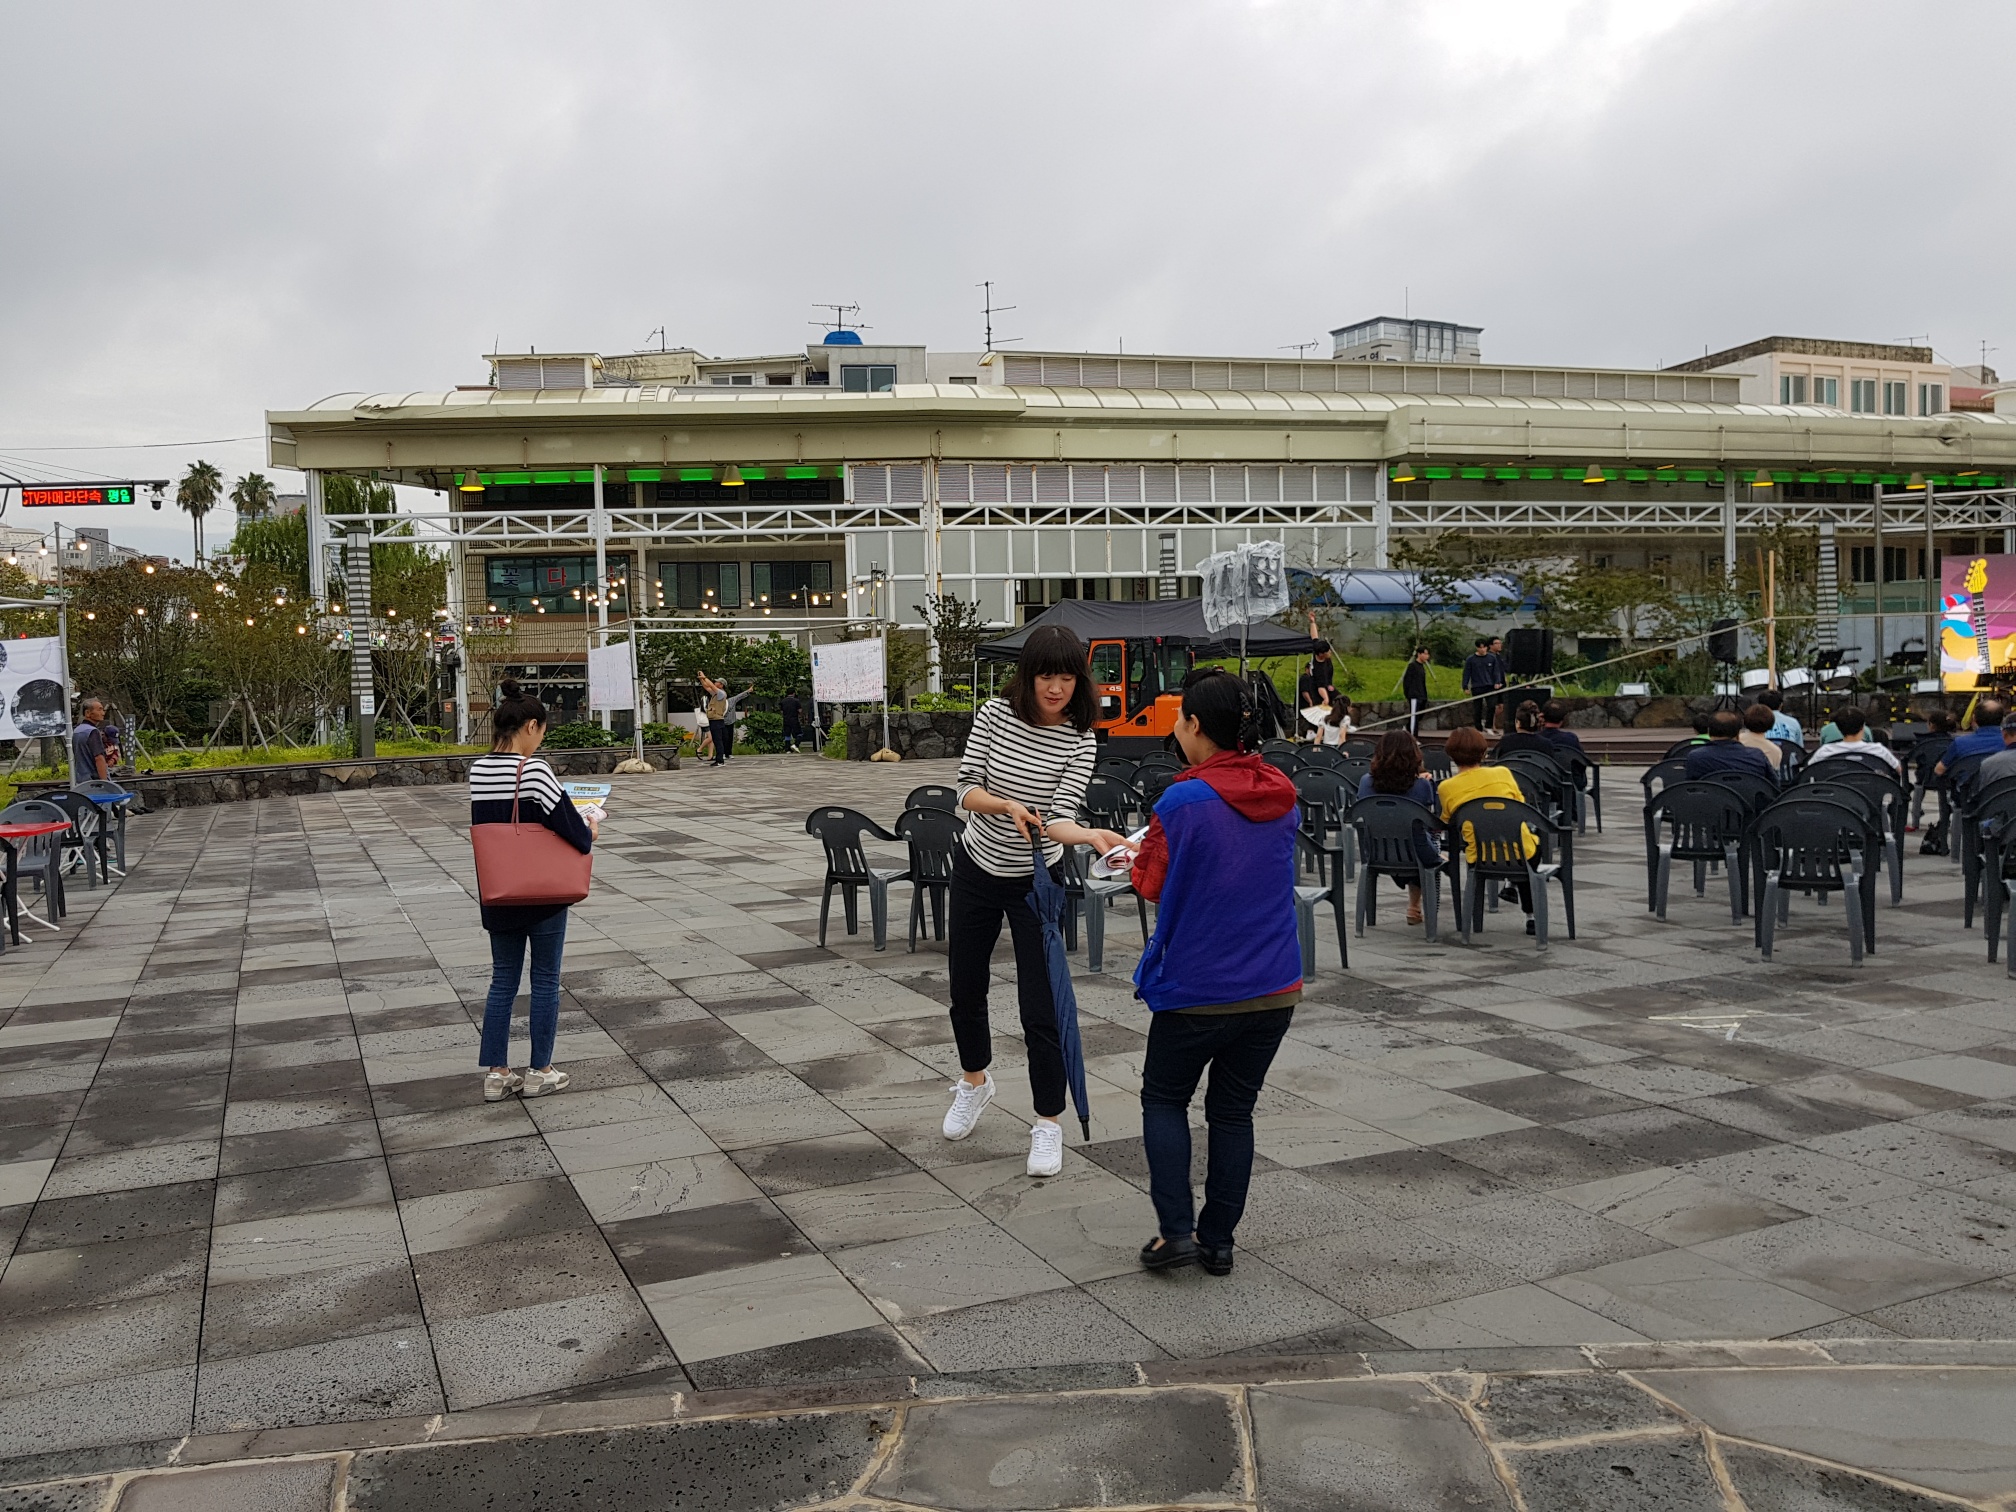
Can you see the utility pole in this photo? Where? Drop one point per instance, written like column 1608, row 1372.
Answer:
column 601, row 576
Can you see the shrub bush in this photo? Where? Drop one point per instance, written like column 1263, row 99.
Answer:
column 580, row 736
column 761, row 731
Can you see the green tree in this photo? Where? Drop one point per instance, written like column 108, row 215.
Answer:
column 276, row 541
column 956, row 629
column 136, row 633
column 196, row 495
column 252, row 496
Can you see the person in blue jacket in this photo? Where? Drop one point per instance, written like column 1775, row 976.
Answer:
column 1222, row 972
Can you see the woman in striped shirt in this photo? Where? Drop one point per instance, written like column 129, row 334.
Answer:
column 518, row 725
column 1023, row 774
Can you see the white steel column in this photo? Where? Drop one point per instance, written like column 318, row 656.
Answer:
column 318, row 556
column 934, row 565
column 1729, row 487
column 1382, row 520
column 602, row 578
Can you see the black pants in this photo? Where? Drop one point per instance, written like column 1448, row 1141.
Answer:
column 1238, row 1047
column 717, row 732
column 979, row 902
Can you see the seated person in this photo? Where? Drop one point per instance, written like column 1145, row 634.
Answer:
column 1722, row 751
column 1926, row 753
column 1553, row 725
column 1525, row 734
column 2003, row 762
column 1783, row 725
column 1985, row 739
column 1757, row 722
column 1397, row 770
column 1853, row 725
column 1472, row 779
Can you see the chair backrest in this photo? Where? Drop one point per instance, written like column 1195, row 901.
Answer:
column 1322, row 756
column 1323, row 793
column 1352, row 772
column 933, row 837
column 1390, row 828
column 78, row 809
column 1267, row 746
column 1108, row 801
column 1358, row 746
column 1496, row 828
column 1435, row 759
column 840, row 831
column 1681, row 747
column 32, row 811
column 1809, row 836
column 1873, row 780
column 933, row 795
column 1160, row 761
column 1122, row 767
column 96, row 787
column 1963, row 776
column 1151, row 781
column 1552, row 765
column 1288, row 762
column 1753, row 790
column 1847, row 794
column 1705, row 816
column 1792, row 757
column 1663, row 774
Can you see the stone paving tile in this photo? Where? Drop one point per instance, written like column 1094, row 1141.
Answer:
column 1369, row 1443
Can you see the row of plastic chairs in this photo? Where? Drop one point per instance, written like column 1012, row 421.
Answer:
column 96, row 832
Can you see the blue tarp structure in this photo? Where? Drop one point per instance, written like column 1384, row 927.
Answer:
column 1359, row 588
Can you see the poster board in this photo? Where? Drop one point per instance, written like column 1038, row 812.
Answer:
column 31, row 689
column 849, row 672
column 1977, row 619
column 610, row 685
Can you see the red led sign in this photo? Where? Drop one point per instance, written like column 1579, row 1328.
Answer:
column 76, row 493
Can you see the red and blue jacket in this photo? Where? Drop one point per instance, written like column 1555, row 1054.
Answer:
column 1219, row 858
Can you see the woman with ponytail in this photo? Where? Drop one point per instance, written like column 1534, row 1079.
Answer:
column 517, row 726
column 1222, row 971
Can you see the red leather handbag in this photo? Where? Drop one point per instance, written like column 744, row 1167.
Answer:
column 520, row 864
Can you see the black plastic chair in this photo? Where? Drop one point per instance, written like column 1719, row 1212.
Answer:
column 1151, row 783
column 1661, row 773
column 1109, row 803
column 1353, row 771
column 1997, row 831
column 1588, row 779
column 1893, row 804
column 1287, row 762
column 1395, row 839
column 1553, row 778
column 1324, row 797
column 932, row 833
column 111, row 814
column 1755, row 791
column 1792, row 758
column 1497, row 831
column 1160, row 761
column 1682, row 747
column 39, row 860
column 1122, row 767
column 1813, row 842
column 1985, row 808
column 1698, row 822
column 933, row 795
column 1306, row 899
column 1435, row 761
column 1322, row 757
column 1360, row 748
column 840, row 831
column 1277, row 744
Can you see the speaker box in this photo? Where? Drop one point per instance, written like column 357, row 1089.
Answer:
column 1531, row 651
column 1722, row 640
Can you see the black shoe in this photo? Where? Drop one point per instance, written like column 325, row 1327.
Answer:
column 1216, row 1260
column 1529, row 926
column 1508, row 895
column 1167, row 1254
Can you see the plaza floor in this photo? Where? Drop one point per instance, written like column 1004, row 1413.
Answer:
column 248, row 1182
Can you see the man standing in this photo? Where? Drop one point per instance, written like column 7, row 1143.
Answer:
column 90, row 751
column 1484, row 681
column 1322, row 671
column 793, row 712
column 1414, row 688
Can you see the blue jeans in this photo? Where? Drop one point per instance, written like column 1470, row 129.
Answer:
column 1238, row 1047
column 507, row 962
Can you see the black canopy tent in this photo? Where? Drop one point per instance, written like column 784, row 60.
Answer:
column 1178, row 622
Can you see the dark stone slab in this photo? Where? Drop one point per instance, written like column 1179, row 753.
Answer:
column 107, row 1216
column 110, row 1102
column 302, row 1189
column 1547, row 1158
column 67, row 1496
column 804, row 1164
column 1779, row 1113
column 519, row 1272
column 250, row 1317
column 93, row 1274
column 1531, row 1408
column 94, row 1459
column 705, row 1055
column 277, row 1149
column 456, row 1168
column 1624, row 1475
column 325, row 1078
column 859, row 1354
column 1777, row 1483
column 286, row 1486
column 1171, row 1446
column 40, row 1108
column 672, row 1246
column 1665, row 1136
column 1550, row 1099
column 92, row 1136
column 746, row 1465
column 1407, row 1183
column 1381, row 1446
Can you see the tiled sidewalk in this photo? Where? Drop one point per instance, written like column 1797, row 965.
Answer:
column 250, row 1181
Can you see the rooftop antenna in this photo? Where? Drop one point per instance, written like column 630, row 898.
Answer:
column 840, row 322
column 989, row 310
column 1299, row 347
column 1985, row 350
column 660, row 334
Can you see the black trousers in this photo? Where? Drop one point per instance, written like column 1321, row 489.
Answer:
column 979, row 902
column 717, row 731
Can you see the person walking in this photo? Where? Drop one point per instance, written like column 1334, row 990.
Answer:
column 1414, row 688
column 1223, row 970
column 1023, row 776
column 518, row 725
column 793, row 712
column 1483, row 681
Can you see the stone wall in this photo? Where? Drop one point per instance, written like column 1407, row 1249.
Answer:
column 913, row 736
column 207, row 785
column 1665, row 711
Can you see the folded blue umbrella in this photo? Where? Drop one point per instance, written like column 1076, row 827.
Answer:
column 1048, row 899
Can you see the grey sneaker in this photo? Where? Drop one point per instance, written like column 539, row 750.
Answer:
column 539, row 1083
column 498, row 1085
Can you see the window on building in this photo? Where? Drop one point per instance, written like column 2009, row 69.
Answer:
column 700, row 585
column 779, row 585
column 744, row 380
column 967, row 378
column 1827, row 391
column 777, row 380
column 867, row 377
column 1962, row 545
column 1861, row 564
column 1791, row 388
column 719, row 380
column 1862, row 396
column 1931, row 398
column 1897, row 563
column 1894, row 395
column 816, row 379
column 550, row 584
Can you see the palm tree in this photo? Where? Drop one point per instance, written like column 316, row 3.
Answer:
column 253, row 496
column 197, row 495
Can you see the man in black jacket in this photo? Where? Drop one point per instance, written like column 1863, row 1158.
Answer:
column 1484, row 681
column 1414, row 688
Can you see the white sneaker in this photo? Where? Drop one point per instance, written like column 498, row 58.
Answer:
column 498, row 1085
column 969, row 1099
column 1046, row 1148
column 539, row 1083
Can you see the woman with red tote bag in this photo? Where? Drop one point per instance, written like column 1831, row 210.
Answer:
column 531, row 862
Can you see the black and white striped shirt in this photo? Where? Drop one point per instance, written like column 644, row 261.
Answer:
column 1043, row 766
column 541, row 800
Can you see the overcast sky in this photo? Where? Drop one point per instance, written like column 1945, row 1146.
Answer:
column 211, row 210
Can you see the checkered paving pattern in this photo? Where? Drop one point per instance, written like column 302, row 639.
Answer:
column 247, row 1179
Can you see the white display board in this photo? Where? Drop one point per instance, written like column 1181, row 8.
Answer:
column 849, row 672
column 31, row 689
column 610, row 685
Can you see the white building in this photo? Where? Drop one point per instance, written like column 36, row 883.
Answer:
column 1389, row 338
column 1861, row 377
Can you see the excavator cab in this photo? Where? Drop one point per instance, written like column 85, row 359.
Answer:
column 1134, row 688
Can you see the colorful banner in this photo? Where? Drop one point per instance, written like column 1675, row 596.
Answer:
column 1977, row 621
column 31, row 689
